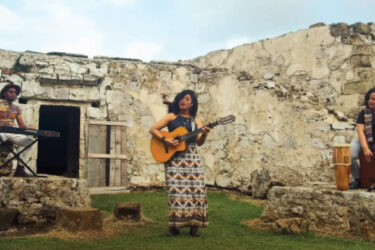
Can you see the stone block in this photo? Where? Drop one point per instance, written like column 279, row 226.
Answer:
column 76, row 79
column 50, row 70
column 97, row 70
column 84, row 94
column 362, row 50
column 364, row 73
column 128, row 211
column 342, row 126
column 349, row 101
column 164, row 76
column 90, row 80
column 359, row 74
column 270, row 85
column 77, row 69
column 361, row 61
column 268, row 76
column 79, row 218
column 47, row 78
column 7, row 217
column 61, row 94
column 64, row 78
column 62, row 69
column 96, row 113
column 357, row 87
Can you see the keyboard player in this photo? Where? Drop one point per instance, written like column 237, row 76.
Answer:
column 11, row 113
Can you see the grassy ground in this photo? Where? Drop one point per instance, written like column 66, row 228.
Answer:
column 224, row 232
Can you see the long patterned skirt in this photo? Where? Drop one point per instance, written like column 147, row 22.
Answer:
column 187, row 197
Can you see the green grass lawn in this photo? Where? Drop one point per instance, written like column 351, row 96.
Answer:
column 224, row 232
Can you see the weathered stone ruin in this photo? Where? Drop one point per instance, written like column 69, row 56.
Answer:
column 320, row 209
column 36, row 201
column 294, row 97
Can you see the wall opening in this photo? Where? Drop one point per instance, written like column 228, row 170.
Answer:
column 59, row 156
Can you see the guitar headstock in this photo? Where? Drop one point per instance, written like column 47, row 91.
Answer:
column 226, row 120
column 222, row 121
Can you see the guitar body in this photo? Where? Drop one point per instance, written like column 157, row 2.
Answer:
column 164, row 152
column 158, row 148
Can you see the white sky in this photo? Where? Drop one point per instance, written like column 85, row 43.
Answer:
column 162, row 29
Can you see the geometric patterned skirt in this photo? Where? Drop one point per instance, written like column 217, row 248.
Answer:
column 187, row 197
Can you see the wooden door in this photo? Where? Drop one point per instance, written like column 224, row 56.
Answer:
column 106, row 157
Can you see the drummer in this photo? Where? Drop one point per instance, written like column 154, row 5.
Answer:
column 365, row 142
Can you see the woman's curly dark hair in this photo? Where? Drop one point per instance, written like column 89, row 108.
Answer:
column 175, row 107
column 367, row 96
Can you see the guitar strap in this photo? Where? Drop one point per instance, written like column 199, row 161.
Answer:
column 192, row 124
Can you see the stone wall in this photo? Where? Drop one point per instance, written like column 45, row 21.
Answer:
column 294, row 96
column 319, row 208
column 38, row 199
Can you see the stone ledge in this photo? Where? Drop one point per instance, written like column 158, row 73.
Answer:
column 321, row 209
column 38, row 199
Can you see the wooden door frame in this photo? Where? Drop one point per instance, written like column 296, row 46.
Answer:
column 118, row 160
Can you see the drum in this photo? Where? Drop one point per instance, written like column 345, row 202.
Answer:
column 342, row 163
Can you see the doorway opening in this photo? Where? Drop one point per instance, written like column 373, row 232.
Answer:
column 59, row 156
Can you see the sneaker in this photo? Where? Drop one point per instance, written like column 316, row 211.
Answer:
column 356, row 184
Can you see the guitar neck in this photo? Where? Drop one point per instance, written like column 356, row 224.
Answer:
column 190, row 135
column 196, row 132
column 222, row 121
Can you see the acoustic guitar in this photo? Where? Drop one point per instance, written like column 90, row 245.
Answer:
column 163, row 152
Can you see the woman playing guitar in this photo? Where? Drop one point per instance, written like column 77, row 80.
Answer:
column 184, row 172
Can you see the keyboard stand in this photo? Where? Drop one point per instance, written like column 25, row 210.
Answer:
column 17, row 156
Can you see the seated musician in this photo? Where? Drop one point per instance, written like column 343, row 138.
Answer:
column 365, row 142
column 10, row 112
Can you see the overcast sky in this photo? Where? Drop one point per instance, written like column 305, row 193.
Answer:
column 162, row 29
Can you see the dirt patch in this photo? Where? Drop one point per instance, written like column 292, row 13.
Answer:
column 111, row 228
column 258, row 225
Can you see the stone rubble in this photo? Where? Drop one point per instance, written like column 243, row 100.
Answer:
column 319, row 208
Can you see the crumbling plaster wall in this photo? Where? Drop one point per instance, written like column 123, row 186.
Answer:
column 294, row 96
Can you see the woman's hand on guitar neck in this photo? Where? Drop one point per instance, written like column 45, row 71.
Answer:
column 205, row 130
column 171, row 141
